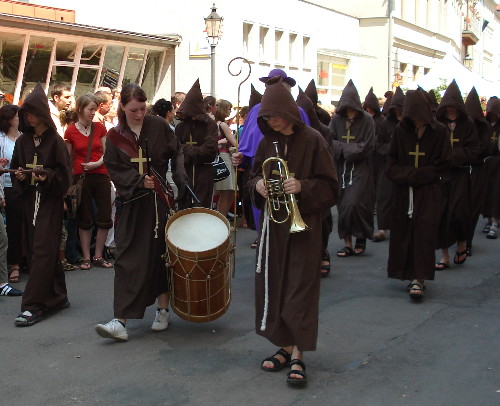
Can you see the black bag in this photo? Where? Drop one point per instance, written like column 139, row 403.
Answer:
column 221, row 171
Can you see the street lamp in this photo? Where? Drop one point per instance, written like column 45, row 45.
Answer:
column 213, row 24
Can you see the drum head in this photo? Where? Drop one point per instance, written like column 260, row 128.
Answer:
column 197, row 232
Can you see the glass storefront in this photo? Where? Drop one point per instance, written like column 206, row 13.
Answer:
column 331, row 76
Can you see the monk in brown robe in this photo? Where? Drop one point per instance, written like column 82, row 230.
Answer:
column 491, row 208
column 287, row 281
column 138, row 150
column 384, row 186
column 40, row 146
column 479, row 172
column 456, row 217
column 312, row 93
column 197, row 133
column 353, row 133
column 304, row 102
column 420, row 153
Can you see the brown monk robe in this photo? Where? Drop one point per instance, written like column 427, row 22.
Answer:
column 43, row 207
column 312, row 93
column 287, row 311
column 306, row 104
column 384, row 186
column 140, row 274
column 353, row 133
column 420, row 153
column 491, row 208
column 456, row 216
column 197, row 133
column 479, row 172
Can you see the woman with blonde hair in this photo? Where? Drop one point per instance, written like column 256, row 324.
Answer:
column 226, row 140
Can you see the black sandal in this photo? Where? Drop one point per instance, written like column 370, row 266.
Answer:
column 277, row 364
column 302, row 373
column 459, row 254
column 325, row 269
column 360, row 245
column 416, row 289
column 345, row 252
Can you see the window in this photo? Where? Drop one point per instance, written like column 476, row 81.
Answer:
column 263, row 44
column 151, row 73
column 37, row 63
column 305, row 51
column 278, row 46
column 249, row 41
column 11, row 46
column 292, row 53
column 111, row 67
column 133, row 67
column 331, row 77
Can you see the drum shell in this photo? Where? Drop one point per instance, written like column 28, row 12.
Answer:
column 200, row 280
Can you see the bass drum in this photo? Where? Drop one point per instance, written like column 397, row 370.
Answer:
column 198, row 249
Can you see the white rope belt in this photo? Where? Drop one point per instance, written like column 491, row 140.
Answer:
column 37, row 206
column 264, row 238
column 410, row 202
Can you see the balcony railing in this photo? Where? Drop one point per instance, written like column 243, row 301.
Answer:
column 471, row 30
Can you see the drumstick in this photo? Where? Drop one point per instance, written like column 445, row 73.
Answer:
column 192, row 194
column 37, row 171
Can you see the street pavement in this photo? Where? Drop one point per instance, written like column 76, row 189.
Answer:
column 375, row 347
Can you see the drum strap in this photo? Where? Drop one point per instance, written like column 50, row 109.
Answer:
column 264, row 238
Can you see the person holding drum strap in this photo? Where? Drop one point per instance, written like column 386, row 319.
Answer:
column 137, row 153
column 287, row 279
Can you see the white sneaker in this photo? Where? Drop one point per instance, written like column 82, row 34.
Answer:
column 161, row 320
column 112, row 329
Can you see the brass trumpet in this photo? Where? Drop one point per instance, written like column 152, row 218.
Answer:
column 277, row 196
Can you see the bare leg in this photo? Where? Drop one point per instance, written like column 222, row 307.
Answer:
column 296, row 354
column 445, row 256
column 225, row 201
column 100, row 239
column 163, row 300
column 85, row 236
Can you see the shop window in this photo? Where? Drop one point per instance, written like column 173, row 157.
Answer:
column 65, row 51
column 331, row 77
column 111, row 67
column 151, row 73
column 11, row 46
column 86, row 81
column 37, row 63
column 133, row 66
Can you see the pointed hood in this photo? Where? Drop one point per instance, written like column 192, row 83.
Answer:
column 192, row 106
column 277, row 101
column 349, row 98
column 493, row 107
column 473, row 106
column 307, row 105
column 452, row 97
column 37, row 104
column 434, row 100
column 417, row 107
column 397, row 103
column 255, row 97
column 387, row 104
column 371, row 101
column 312, row 92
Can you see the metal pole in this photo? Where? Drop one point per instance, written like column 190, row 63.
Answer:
column 212, row 58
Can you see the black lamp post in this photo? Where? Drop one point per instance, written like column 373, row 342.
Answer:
column 213, row 24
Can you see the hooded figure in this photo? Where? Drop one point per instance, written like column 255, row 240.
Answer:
column 384, row 186
column 388, row 96
column 251, row 135
column 479, row 172
column 456, row 220
column 197, row 134
column 434, row 102
column 312, row 93
column 417, row 158
column 327, row 225
column 288, row 263
column 41, row 146
column 353, row 133
column 255, row 97
column 491, row 207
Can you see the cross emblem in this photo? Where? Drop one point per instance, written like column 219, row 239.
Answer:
column 494, row 137
column 191, row 142
column 34, row 165
column 348, row 137
column 453, row 140
column 416, row 154
column 140, row 161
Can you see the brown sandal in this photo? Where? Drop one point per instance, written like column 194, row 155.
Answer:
column 85, row 265
column 15, row 278
column 101, row 262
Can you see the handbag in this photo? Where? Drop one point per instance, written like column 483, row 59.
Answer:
column 220, row 169
column 75, row 191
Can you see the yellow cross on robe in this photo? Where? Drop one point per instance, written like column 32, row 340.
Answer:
column 453, row 140
column 34, row 165
column 348, row 137
column 191, row 142
column 140, row 161
column 494, row 137
column 416, row 154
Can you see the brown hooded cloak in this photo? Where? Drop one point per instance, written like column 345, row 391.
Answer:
column 140, row 274
column 46, row 286
column 384, row 186
column 478, row 174
column 492, row 201
column 352, row 151
column 255, row 97
column 312, row 93
column 456, row 219
column 417, row 198
column 197, row 133
column 294, row 259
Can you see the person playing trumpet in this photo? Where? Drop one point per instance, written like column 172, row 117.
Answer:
column 287, row 281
